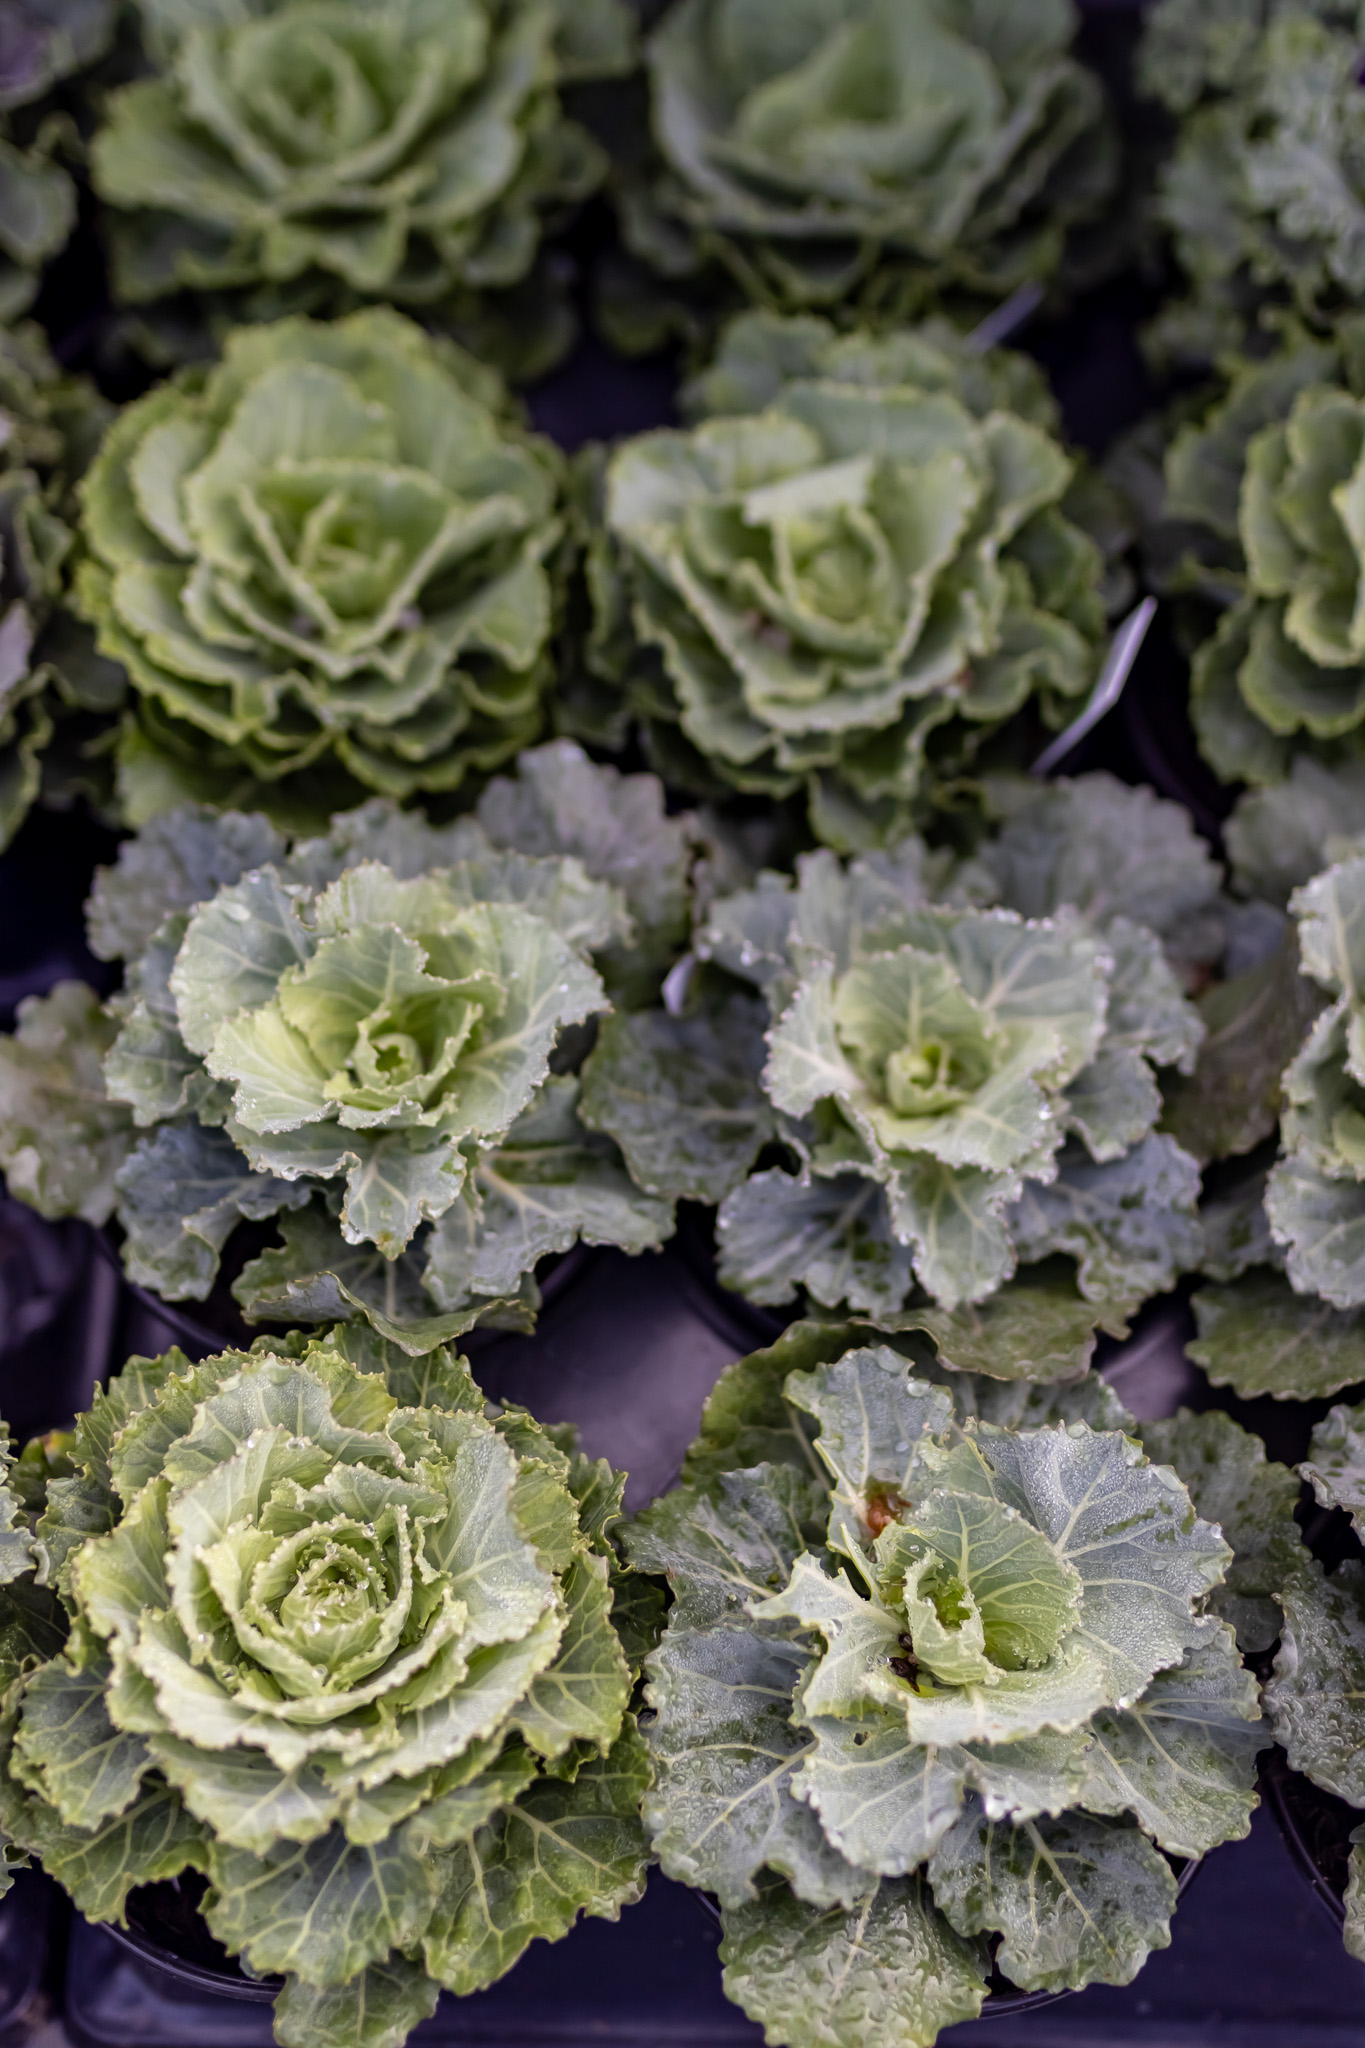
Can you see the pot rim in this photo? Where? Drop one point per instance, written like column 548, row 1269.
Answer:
column 194, row 1976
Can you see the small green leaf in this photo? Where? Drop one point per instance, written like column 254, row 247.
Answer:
column 562, row 1850
column 890, row 1967
column 1036, row 1328
column 1130, row 1225
column 1076, row 1900
column 1252, row 1500
column 1259, row 1337
column 1182, row 1759
column 1335, row 1467
column 1316, row 1698
column 377, row 2009
column 320, row 1910
column 832, row 1236
column 681, row 1096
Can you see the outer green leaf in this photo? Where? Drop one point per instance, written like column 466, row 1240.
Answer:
column 1316, row 1698
column 1279, row 838
column 1260, row 1337
column 1182, row 1760
column 890, row 1968
column 181, row 1193
column 735, row 1542
column 1103, row 848
column 564, row 1848
column 747, row 1419
column 1034, row 1329
column 725, row 1752
column 1321, row 1223
column 378, row 2009
column 548, row 1184
column 1255, row 1023
column 316, row 1277
column 1251, row 1499
column 1335, row 1467
column 152, row 1839
column 172, row 864
column 68, row 1749
column 1077, row 1900
column 1130, row 1225
column 832, row 1236
column 616, row 824
column 681, row 1097
column 61, row 1140
column 319, row 1910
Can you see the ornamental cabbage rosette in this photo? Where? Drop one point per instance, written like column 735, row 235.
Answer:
column 863, row 561
column 354, row 1035
column 939, row 1668
column 874, row 153
column 49, row 672
column 343, row 1643
column 958, row 1088
column 1262, row 520
column 304, row 154
column 328, row 568
column 44, row 43
column 1262, row 193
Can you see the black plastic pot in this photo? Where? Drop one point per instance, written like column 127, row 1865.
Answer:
column 1317, row 1828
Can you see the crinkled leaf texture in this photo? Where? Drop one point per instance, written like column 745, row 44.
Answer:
column 939, row 1666
column 353, row 1033
column 357, row 600
column 349, row 1654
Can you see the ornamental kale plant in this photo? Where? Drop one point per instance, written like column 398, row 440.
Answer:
column 341, row 1640
column 957, row 1062
column 44, row 42
column 49, row 672
column 328, row 567
column 867, row 556
column 1262, row 194
column 877, row 153
column 369, row 1037
column 944, row 1664
column 306, row 154
column 1262, row 519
